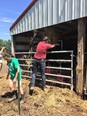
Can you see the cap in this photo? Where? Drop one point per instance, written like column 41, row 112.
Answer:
column 45, row 38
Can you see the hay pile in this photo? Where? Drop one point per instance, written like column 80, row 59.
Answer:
column 54, row 101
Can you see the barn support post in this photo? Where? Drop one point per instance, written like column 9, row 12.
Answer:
column 80, row 57
column 12, row 45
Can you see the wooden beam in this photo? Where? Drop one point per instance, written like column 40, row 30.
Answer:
column 80, row 56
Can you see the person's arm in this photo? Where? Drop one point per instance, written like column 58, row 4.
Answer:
column 1, row 66
column 8, row 76
column 2, row 49
column 52, row 45
column 56, row 45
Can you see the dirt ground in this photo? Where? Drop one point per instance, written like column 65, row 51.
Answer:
column 54, row 101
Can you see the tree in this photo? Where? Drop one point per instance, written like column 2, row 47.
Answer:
column 1, row 43
column 6, row 43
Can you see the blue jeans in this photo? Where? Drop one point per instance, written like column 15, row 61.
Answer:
column 42, row 64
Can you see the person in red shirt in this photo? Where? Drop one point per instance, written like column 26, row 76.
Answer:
column 39, row 60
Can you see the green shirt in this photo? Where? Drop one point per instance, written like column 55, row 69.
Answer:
column 13, row 67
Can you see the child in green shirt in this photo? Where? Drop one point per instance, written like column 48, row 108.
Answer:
column 14, row 73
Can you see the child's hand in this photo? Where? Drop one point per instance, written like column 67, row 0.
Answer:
column 14, row 80
column 3, row 47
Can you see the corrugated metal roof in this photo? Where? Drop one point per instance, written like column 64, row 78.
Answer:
column 43, row 13
column 25, row 11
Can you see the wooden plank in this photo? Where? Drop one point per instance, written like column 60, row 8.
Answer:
column 80, row 57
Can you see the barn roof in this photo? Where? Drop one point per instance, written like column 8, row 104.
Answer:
column 24, row 12
column 44, row 13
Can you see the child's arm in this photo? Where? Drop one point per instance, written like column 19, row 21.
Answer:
column 8, row 76
column 2, row 49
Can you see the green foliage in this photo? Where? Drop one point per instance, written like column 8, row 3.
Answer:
column 6, row 43
column 1, row 43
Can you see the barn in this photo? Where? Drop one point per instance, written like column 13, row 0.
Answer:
column 64, row 22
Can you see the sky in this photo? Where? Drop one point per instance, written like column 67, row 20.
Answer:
column 10, row 10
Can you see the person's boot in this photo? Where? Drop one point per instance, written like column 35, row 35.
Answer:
column 44, row 88
column 22, row 98
column 31, row 90
column 13, row 96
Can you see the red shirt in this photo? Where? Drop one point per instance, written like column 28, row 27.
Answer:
column 41, row 50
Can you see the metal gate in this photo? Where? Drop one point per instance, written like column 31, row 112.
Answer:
column 61, row 65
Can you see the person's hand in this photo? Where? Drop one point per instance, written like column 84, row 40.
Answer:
column 57, row 44
column 3, row 47
column 59, row 41
column 14, row 80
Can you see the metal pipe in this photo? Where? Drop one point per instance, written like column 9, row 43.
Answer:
column 19, row 111
column 62, row 68
column 52, row 60
column 51, row 74
column 49, row 80
column 47, row 52
column 64, row 60
column 72, row 70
